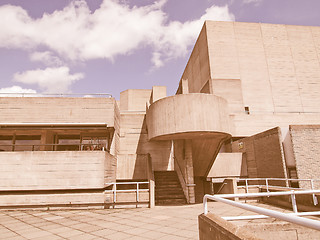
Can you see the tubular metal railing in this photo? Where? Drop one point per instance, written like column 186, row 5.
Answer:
column 54, row 147
column 182, row 177
column 268, row 186
column 55, row 95
column 289, row 217
column 136, row 190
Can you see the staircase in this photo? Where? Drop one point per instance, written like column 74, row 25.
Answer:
column 168, row 190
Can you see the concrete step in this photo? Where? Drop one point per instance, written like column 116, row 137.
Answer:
column 168, row 190
column 170, row 197
column 171, row 202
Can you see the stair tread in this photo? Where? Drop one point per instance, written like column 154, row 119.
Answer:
column 168, row 189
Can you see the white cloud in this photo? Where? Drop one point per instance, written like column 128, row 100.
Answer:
column 255, row 2
column 46, row 58
column 76, row 33
column 10, row 91
column 51, row 80
column 156, row 59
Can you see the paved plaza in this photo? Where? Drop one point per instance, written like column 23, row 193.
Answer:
column 161, row 222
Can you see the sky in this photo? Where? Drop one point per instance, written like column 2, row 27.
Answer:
column 108, row 46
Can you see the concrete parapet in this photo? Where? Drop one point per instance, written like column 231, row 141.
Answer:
column 186, row 116
column 212, row 227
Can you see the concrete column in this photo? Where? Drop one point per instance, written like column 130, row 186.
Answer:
column 185, row 86
column 46, row 138
column 151, row 194
column 189, row 171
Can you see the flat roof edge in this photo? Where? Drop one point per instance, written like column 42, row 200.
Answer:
column 53, row 124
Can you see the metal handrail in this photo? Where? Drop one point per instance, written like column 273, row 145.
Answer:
column 184, row 181
column 58, row 94
column 268, row 186
column 114, row 190
column 56, row 144
column 289, row 217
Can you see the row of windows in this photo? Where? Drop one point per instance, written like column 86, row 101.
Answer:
column 56, row 143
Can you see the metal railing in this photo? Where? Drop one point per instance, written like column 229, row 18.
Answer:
column 136, row 190
column 289, row 217
column 2, row 94
column 286, row 180
column 54, row 147
column 186, row 186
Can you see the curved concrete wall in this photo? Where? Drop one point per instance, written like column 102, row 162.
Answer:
column 186, row 116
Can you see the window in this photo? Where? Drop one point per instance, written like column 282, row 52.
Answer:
column 94, row 143
column 5, row 143
column 27, row 143
column 68, row 143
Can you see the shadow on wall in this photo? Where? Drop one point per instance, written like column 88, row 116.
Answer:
column 158, row 150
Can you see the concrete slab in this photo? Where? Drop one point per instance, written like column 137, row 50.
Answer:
column 161, row 222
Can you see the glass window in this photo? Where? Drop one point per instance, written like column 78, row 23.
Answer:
column 5, row 143
column 27, row 143
column 94, row 143
column 68, row 143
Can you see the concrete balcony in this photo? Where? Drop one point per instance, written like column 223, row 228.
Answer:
column 188, row 116
column 200, row 119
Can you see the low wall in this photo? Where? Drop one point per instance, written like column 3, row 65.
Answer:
column 55, row 178
column 52, row 170
column 212, row 227
column 52, row 200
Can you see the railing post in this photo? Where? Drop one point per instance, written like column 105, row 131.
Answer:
column 205, row 205
column 294, row 202
column 151, row 193
column 247, row 189
column 114, row 192
column 137, row 197
column 315, row 199
column 267, row 184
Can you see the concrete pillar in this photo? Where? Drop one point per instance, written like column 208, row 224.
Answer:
column 185, row 86
column 189, row 171
column 151, row 193
column 231, row 187
column 158, row 92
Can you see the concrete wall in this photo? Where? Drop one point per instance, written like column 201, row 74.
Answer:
column 52, row 200
column 55, row 170
column 272, row 69
column 55, row 179
column 132, row 166
column 183, row 165
column 212, row 227
column 288, row 151
column 134, row 99
column 197, row 71
column 263, row 153
column 227, row 165
column 305, row 142
column 133, row 143
column 115, row 141
column 57, row 110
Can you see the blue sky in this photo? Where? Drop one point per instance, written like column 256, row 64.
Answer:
column 97, row 46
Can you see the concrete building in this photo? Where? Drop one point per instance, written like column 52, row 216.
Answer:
column 246, row 106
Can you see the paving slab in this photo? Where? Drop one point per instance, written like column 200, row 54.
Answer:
column 160, row 222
